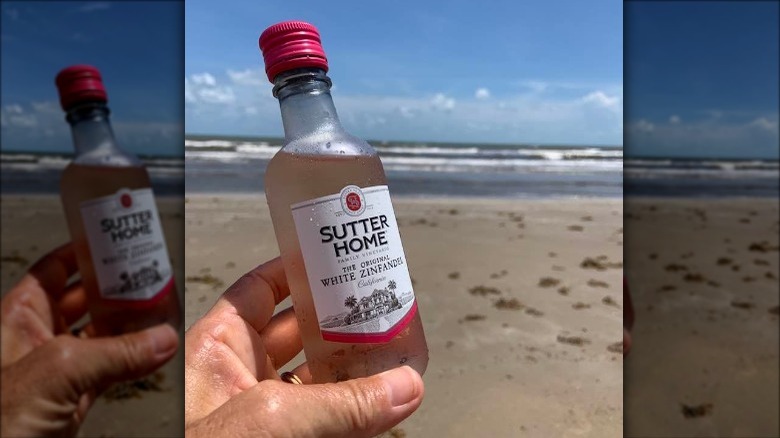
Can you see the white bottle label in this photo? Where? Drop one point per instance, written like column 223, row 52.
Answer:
column 355, row 265
column 127, row 245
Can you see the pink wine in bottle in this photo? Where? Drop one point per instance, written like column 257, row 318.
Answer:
column 335, row 225
column 112, row 217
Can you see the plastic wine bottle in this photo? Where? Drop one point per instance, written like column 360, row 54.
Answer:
column 335, row 225
column 112, row 217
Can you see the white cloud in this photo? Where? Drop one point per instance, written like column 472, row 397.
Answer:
column 204, row 79
column 482, row 93
column 721, row 133
column 203, row 87
column 247, row 77
column 600, row 98
column 14, row 115
column 644, row 126
column 535, row 86
column 406, row 112
column 674, row 120
column 216, row 95
column 764, row 123
column 249, row 109
column 94, row 6
column 442, row 102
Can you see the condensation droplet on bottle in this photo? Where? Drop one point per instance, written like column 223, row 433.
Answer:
column 327, row 145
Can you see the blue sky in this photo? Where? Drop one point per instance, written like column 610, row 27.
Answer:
column 702, row 79
column 136, row 45
column 531, row 72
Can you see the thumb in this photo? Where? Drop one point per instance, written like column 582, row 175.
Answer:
column 96, row 363
column 355, row 408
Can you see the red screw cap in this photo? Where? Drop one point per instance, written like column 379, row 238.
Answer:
column 80, row 83
column 290, row 45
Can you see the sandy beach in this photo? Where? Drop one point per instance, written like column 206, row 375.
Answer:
column 33, row 225
column 703, row 276
column 521, row 303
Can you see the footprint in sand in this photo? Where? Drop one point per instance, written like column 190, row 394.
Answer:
column 744, row 305
column 573, row 340
column 762, row 246
column 597, row 283
column 206, row 279
column 600, row 263
column 503, row 273
column 534, row 312
column 548, row 282
column 17, row 259
column 617, row 347
column 575, row 228
column 774, row 310
column 653, row 256
column 693, row 278
column 760, row 262
column 696, row 411
column 674, row 267
column 453, row 275
column 484, row 291
column 748, row 279
column 610, row 302
column 580, row 305
column 563, row 290
column 587, row 218
column 508, row 304
column 770, row 276
column 667, row 288
column 472, row 317
column 723, row 261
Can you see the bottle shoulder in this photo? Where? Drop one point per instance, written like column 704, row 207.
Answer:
column 107, row 158
column 329, row 143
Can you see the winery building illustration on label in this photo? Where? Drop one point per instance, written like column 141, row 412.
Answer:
column 355, row 265
column 127, row 245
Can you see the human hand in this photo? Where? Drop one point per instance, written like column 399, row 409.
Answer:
column 232, row 387
column 49, row 377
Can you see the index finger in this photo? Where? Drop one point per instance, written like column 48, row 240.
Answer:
column 254, row 296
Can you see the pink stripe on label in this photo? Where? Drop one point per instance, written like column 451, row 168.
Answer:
column 372, row 338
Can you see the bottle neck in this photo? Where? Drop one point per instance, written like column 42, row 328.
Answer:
column 91, row 128
column 306, row 104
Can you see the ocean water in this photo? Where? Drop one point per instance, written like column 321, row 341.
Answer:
column 236, row 165
column 697, row 178
column 40, row 173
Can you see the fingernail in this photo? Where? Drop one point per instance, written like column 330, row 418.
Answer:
column 164, row 339
column 401, row 385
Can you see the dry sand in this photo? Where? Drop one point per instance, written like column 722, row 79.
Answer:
column 33, row 225
column 518, row 331
column 703, row 277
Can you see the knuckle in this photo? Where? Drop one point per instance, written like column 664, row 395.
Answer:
column 362, row 405
column 129, row 353
column 64, row 350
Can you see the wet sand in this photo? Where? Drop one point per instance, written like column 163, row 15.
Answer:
column 703, row 277
column 33, row 225
column 521, row 303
